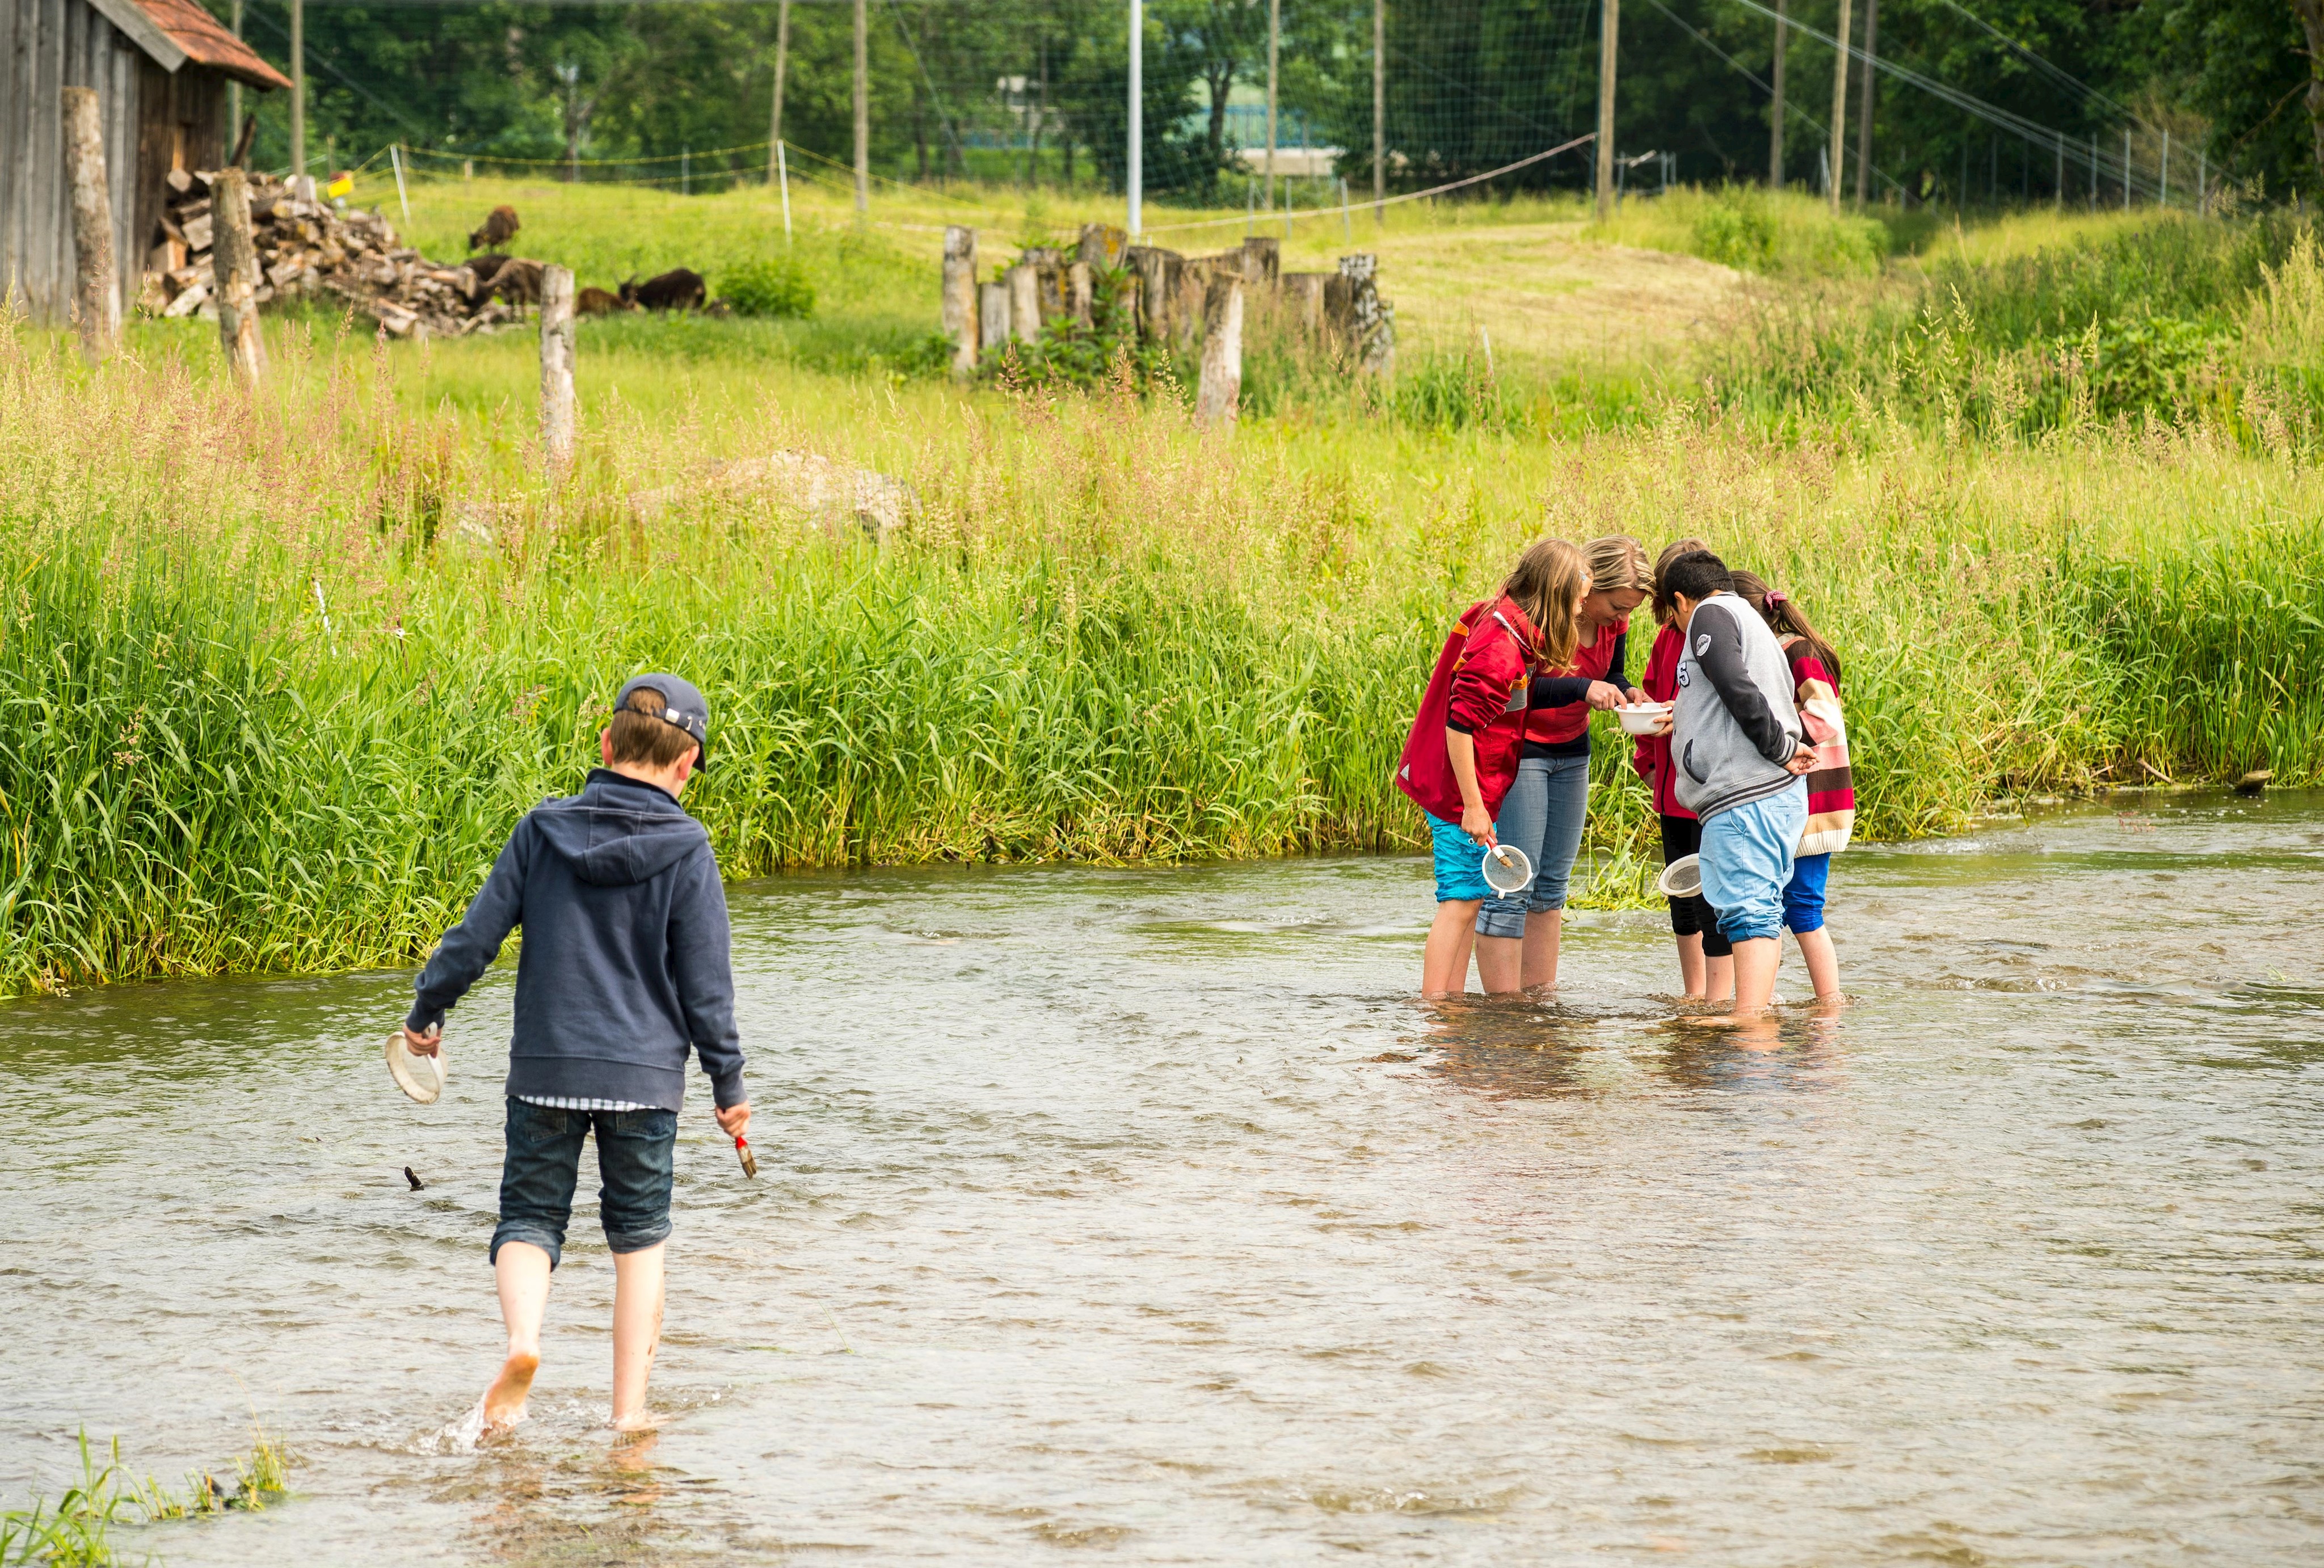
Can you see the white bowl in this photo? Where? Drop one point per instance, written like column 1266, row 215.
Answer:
column 1640, row 718
column 1682, row 878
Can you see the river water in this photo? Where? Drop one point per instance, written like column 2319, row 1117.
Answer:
column 1144, row 1214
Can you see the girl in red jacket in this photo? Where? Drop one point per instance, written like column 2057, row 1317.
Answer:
column 1466, row 741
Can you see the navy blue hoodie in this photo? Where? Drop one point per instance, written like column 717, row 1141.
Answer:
column 624, row 964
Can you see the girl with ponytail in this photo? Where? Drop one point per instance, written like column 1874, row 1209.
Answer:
column 1831, row 789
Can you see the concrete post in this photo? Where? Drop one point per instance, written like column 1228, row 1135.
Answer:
column 557, row 345
column 960, row 299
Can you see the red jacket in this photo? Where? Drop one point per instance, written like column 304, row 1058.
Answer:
column 1652, row 756
column 1479, row 686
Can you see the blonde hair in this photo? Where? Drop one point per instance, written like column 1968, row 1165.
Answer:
column 1618, row 564
column 1548, row 584
column 1664, row 611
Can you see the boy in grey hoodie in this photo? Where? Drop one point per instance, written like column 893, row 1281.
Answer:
column 1735, row 738
column 624, row 969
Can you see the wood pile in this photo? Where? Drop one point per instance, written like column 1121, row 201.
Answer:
column 310, row 249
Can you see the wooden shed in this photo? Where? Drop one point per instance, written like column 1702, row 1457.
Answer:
column 160, row 69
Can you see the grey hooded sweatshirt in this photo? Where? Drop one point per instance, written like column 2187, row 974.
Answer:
column 624, row 964
column 1734, row 726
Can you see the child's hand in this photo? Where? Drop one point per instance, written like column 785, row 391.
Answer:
column 1803, row 760
column 1605, row 694
column 1662, row 722
column 426, row 1044
column 1477, row 824
column 735, row 1121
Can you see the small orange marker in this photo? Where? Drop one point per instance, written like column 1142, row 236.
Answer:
column 749, row 1160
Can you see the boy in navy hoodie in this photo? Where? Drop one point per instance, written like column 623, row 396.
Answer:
column 624, row 970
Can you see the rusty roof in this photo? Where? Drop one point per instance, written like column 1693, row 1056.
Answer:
column 174, row 32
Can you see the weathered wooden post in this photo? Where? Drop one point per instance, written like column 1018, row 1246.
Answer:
column 1153, row 286
column 233, row 268
column 993, row 317
column 960, row 301
column 1221, row 387
column 1080, row 291
column 97, row 293
column 1024, row 302
column 557, row 368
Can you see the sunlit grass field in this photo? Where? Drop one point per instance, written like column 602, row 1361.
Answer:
column 285, row 668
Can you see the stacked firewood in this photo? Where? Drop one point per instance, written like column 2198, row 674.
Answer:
column 311, row 249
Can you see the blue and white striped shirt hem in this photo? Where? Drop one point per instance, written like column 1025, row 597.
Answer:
column 574, row 1103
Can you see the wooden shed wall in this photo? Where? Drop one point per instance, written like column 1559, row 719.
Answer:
column 45, row 46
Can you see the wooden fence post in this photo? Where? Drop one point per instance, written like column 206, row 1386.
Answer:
column 234, row 267
column 1023, row 302
column 557, row 368
column 960, row 299
column 1220, row 388
column 993, row 317
column 97, row 293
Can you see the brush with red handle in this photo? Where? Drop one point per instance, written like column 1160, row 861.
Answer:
column 749, row 1160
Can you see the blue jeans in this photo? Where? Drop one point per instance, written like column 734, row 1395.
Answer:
column 1747, row 861
column 1544, row 816
column 637, row 1159
column 1803, row 894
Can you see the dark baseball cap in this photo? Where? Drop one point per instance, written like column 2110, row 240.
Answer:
column 682, row 706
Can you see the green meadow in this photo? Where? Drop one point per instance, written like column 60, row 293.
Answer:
column 285, row 666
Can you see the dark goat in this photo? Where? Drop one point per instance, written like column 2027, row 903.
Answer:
column 677, row 290
column 500, row 227
column 482, row 269
column 517, row 281
column 597, row 302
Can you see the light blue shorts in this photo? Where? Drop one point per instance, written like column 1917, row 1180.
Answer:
column 1544, row 816
column 1459, row 862
column 1747, row 861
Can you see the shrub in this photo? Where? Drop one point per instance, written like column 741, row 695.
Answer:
column 773, row 286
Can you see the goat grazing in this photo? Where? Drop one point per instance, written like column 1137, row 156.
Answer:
column 677, row 290
column 500, row 227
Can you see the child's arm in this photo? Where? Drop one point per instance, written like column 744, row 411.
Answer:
column 1718, row 654
column 1460, row 750
column 701, row 959
column 1616, row 665
column 469, row 947
column 1557, row 691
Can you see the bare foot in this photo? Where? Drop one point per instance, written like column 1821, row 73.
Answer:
column 637, row 1421
column 504, row 1400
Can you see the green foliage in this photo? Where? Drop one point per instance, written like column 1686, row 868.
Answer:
column 1105, row 351
column 772, row 286
column 78, row 1530
column 1779, row 234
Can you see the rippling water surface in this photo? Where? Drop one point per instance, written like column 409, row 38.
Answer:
column 1144, row 1214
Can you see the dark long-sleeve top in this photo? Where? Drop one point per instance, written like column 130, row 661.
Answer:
column 1565, row 689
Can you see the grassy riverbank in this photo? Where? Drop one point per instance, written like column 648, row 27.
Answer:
column 283, row 671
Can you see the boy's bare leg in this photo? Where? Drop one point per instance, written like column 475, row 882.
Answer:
column 1444, row 964
column 637, row 1333
column 521, row 1273
column 1542, row 929
column 1823, row 963
column 1718, row 978
column 1756, row 958
column 1690, row 965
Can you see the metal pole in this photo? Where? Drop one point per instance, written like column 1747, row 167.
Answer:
column 2166, row 166
column 1379, row 112
column 234, row 91
column 2061, row 202
column 2125, row 169
column 1839, row 111
column 862, row 108
column 783, row 175
column 1863, row 104
column 2203, row 181
column 298, row 94
column 1136, row 180
column 1610, row 32
column 1347, row 222
column 1274, row 43
column 775, row 119
column 1776, row 110
column 395, row 156
column 2094, row 170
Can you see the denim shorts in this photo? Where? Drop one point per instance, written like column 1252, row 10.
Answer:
column 1747, row 861
column 1803, row 894
column 1459, row 862
column 1544, row 816
column 637, row 1159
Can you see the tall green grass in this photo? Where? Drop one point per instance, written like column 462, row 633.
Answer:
column 282, row 672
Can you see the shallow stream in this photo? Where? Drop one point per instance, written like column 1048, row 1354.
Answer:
column 1144, row 1212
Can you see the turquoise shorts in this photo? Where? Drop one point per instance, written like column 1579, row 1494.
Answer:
column 1459, row 862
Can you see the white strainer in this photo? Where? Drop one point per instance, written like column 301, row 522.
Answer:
column 1507, row 868
column 1682, row 878
column 421, row 1077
